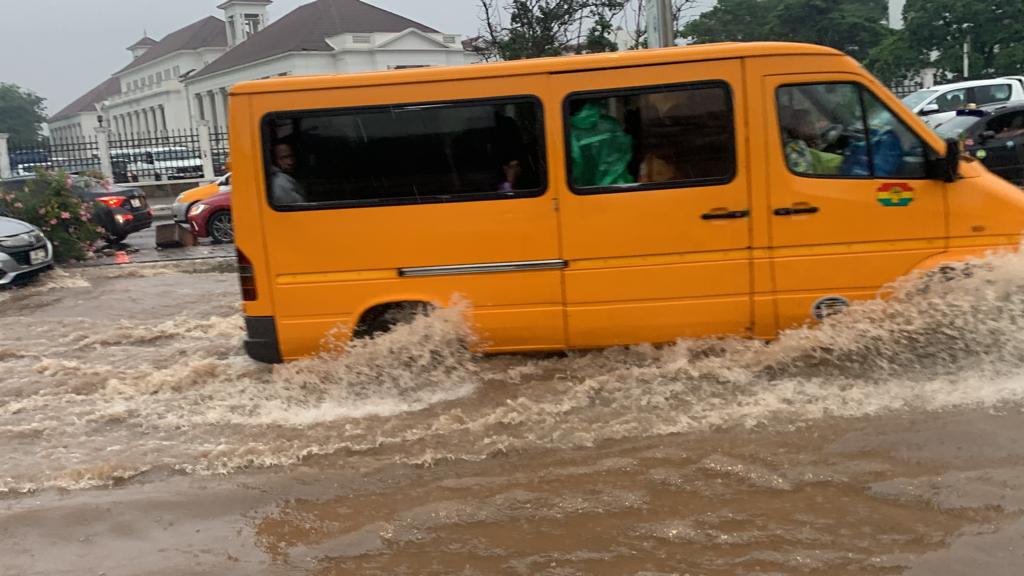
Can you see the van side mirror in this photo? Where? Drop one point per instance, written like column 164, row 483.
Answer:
column 945, row 168
column 987, row 135
column 929, row 109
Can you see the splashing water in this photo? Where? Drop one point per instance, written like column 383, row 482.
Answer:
column 86, row 401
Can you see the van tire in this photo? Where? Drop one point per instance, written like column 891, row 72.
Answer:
column 382, row 318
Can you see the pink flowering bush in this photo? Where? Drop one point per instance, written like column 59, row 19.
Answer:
column 48, row 203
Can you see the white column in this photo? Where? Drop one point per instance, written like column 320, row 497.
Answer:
column 205, row 149
column 163, row 117
column 103, row 142
column 5, row 160
column 214, row 119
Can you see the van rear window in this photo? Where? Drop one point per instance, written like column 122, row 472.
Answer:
column 650, row 138
column 405, row 154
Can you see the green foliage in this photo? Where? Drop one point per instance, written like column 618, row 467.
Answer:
column 732, row 21
column 48, row 202
column 942, row 26
column 539, row 28
column 895, row 60
column 853, row 26
column 21, row 113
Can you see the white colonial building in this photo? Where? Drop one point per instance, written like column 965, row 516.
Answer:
column 185, row 77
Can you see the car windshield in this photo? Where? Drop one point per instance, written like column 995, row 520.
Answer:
column 173, row 155
column 954, row 127
column 918, row 97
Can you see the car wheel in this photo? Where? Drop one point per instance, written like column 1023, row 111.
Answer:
column 219, row 227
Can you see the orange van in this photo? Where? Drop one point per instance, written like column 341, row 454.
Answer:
column 598, row 200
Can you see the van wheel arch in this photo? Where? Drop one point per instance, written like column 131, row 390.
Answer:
column 381, row 318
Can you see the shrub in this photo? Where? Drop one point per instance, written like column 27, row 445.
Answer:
column 48, row 203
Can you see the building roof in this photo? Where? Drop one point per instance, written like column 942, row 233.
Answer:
column 86, row 103
column 306, row 29
column 206, row 33
column 143, row 42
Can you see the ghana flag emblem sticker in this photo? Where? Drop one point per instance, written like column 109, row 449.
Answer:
column 895, row 194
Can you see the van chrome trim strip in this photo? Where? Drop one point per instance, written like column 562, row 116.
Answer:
column 484, row 268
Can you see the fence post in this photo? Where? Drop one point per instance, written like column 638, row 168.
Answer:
column 103, row 145
column 206, row 149
column 5, row 159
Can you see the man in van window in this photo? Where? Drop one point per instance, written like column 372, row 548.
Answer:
column 284, row 189
column 800, row 138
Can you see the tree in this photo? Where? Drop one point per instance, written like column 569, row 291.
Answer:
column 732, row 21
column 21, row 113
column 634, row 20
column 853, row 26
column 538, row 28
column 941, row 27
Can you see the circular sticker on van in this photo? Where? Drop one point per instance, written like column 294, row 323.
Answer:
column 981, row 154
column 829, row 306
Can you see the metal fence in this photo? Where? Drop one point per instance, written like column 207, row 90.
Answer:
column 219, row 150
column 142, row 157
column 145, row 157
column 75, row 154
column 905, row 88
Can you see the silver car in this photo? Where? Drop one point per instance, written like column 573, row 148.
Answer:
column 24, row 251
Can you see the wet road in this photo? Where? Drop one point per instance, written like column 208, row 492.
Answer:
column 140, row 440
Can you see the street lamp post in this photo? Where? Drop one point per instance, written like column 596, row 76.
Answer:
column 660, row 26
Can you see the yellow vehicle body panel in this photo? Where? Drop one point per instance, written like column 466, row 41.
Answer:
column 641, row 267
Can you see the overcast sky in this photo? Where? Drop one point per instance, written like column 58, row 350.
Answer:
column 60, row 49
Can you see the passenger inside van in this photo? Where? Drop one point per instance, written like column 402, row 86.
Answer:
column 284, row 188
column 801, row 140
column 601, row 149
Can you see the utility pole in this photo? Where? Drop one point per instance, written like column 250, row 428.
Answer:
column 661, row 29
column 967, row 50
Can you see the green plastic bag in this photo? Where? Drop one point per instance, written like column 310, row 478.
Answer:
column 600, row 149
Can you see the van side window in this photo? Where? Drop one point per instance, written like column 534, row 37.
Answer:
column 841, row 130
column 405, row 154
column 646, row 139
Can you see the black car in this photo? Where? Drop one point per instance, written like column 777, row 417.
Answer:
column 119, row 210
column 993, row 134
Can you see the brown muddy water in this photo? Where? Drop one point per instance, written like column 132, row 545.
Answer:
column 137, row 438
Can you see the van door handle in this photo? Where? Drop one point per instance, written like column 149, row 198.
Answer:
column 796, row 210
column 723, row 214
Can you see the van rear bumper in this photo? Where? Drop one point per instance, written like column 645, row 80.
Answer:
column 261, row 339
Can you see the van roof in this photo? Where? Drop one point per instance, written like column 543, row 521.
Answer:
column 692, row 53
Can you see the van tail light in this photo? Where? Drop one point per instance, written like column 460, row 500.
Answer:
column 247, row 277
column 112, row 201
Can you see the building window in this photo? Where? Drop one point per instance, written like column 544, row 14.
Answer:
column 252, row 24
column 650, row 138
column 449, row 39
column 362, row 39
column 177, row 71
column 231, row 31
column 406, row 154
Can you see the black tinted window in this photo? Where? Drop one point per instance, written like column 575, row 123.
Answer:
column 649, row 139
column 405, row 154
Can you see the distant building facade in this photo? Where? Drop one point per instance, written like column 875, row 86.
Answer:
column 173, row 83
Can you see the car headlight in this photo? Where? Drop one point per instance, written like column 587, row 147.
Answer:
column 196, row 209
column 21, row 240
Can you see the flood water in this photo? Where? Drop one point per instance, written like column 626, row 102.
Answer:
column 137, row 438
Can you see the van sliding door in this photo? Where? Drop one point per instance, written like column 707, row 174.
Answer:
column 655, row 203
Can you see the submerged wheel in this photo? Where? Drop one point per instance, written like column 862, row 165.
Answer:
column 219, row 227
column 381, row 319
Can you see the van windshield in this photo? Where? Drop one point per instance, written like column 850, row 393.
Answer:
column 918, row 97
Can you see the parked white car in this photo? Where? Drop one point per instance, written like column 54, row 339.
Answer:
column 940, row 103
column 166, row 163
